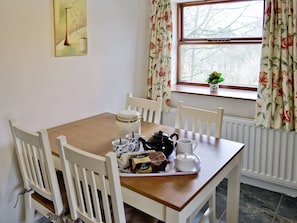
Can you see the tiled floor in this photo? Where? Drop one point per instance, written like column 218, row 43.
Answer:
column 258, row 205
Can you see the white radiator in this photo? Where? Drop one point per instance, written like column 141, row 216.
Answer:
column 269, row 155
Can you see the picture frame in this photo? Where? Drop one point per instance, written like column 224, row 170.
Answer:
column 70, row 26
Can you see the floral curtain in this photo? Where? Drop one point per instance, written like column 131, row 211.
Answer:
column 159, row 74
column 277, row 90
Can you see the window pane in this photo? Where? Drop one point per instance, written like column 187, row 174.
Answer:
column 224, row 20
column 239, row 64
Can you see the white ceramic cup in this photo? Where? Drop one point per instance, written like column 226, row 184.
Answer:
column 187, row 162
column 133, row 138
column 122, row 146
column 186, row 146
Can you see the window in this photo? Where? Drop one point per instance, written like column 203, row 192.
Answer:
column 223, row 36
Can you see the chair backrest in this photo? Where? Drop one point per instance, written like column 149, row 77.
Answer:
column 199, row 120
column 36, row 163
column 149, row 110
column 92, row 198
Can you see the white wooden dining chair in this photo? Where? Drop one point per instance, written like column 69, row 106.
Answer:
column 93, row 198
column 203, row 122
column 41, row 188
column 150, row 110
column 199, row 120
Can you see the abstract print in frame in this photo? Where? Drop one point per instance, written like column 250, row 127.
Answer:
column 70, row 17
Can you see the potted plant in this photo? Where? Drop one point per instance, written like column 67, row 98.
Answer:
column 214, row 79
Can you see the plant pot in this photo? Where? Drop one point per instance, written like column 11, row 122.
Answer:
column 213, row 88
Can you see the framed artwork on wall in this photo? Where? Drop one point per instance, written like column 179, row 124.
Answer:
column 70, row 24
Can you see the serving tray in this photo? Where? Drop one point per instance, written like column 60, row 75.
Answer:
column 169, row 173
column 170, row 170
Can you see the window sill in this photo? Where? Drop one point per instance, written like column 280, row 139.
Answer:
column 222, row 92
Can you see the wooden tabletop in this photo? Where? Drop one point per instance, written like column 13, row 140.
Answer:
column 94, row 134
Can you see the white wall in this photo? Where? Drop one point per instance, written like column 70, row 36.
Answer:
column 40, row 90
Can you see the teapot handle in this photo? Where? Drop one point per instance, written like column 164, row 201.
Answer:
column 176, row 138
column 174, row 134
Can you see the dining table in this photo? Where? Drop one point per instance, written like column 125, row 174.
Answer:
column 173, row 198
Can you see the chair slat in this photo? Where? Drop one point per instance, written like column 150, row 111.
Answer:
column 38, row 168
column 96, row 201
column 78, row 187
column 105, row 199
column 87, row 194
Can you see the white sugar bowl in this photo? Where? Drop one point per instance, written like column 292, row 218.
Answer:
column 186, row 162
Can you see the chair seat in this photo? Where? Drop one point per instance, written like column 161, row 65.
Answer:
column 49, row 204
column 44, row 202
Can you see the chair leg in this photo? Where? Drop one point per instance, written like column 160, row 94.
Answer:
column 210, row 213
column 190, row 219
column 212, row 207
column 205, row 216
column 29, row 210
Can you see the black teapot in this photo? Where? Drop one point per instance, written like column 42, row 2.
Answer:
column 160, row 141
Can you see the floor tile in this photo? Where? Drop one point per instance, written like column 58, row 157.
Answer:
column 281, row 219
column 250, row 213
column 258, row 205
column 287, row 211
column 43, row 220
column 259, row 198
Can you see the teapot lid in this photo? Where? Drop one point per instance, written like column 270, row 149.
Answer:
column 160, row 134
column 128, row 116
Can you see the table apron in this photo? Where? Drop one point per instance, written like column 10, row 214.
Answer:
column 144, row 203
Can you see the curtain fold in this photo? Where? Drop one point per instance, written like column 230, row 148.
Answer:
column 277, row 89
column 159, row 72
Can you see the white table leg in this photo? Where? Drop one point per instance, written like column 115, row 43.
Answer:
column 174, row 216
column 233, row 192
